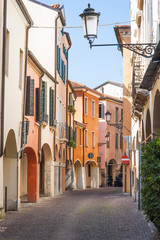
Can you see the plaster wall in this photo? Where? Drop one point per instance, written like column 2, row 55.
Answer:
column 17, row 39
column 112, row 90
column 41, row 39
column 79, row 107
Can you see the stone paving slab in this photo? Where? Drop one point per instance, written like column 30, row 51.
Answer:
column 99, row 214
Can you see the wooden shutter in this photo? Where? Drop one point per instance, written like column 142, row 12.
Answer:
column 29, row 111
column 37, row 104
column 51, row 107
column 116, row 140
column 102, row 110
column 57, row 58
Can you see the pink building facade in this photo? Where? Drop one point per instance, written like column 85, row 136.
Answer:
column 110, row 138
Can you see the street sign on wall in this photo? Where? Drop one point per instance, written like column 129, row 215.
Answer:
column 90, row 155
column 125, row 159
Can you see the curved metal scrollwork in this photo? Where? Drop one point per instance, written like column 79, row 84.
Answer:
column 145, row 49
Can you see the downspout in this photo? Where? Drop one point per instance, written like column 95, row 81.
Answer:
column 39, row 137
column 55, row 73
column 83, row 130
column 3, row 75
column 67, row 111
column 23, row 114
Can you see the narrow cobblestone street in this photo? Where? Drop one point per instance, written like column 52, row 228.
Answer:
column 79, row 215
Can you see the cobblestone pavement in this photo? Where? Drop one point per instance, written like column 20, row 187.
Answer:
column 99, row 214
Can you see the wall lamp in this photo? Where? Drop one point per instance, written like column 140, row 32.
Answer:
column 118, row 124
column 90, row 21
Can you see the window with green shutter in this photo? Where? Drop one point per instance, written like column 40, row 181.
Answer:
column 101, row 110
column 44, row 102
column 51, row 114
column 29, row 111
column 116, row 140
column 116, row 114
column 108, row 140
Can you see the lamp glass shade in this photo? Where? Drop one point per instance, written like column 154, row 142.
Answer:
column 90, row 22
column 90, row 26
column 108, row 116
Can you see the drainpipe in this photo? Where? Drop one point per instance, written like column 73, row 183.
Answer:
column 83, row 130
column 39, row 137
column 3, row 75
column 55, row 73
column 67, row 110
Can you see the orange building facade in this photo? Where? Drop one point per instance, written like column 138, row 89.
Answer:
column 86, row 135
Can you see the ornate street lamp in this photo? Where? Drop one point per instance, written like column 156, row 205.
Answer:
column 90, row 21
column 118, row 125
column 108, row 116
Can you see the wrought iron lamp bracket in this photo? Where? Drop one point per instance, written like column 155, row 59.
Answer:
column 145, row 49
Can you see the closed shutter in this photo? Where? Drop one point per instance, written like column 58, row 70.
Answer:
column 116, row 140
column 57, row 58
column 44, row 102
column 30, row 97
column 102, row 110
column 64, row 74
column 51, row 107
column 37, row 104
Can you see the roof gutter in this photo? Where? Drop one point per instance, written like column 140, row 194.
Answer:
column 3, row 75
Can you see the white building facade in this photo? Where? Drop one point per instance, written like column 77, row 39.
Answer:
column 18, row 21
column 145, row 83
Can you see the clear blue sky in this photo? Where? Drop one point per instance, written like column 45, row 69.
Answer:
column 93, row 67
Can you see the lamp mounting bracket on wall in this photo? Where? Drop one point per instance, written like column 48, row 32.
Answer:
column 145, row 49
column 90, row 21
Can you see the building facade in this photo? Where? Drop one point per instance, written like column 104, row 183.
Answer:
column 51, row 50
column 123, row 35
column 145, row 84
column 110, row 138
column 87, row 135
column 12, row 108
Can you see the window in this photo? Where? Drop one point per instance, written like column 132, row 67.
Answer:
column 116, row 114
column 44, row 102
column 121, row 114
column 86, row 105
column 7, row 54
column 29, row 110
column 101, row 110
column 80, row 137
column 38, row 97
column 116, row 140
column 93, row 139
column 86, row 138
column 102, row 89
column 108, row 140
column 93, row 108
column 76, row 135
column 121, row 141
column 51, row 112
column 20, row 68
